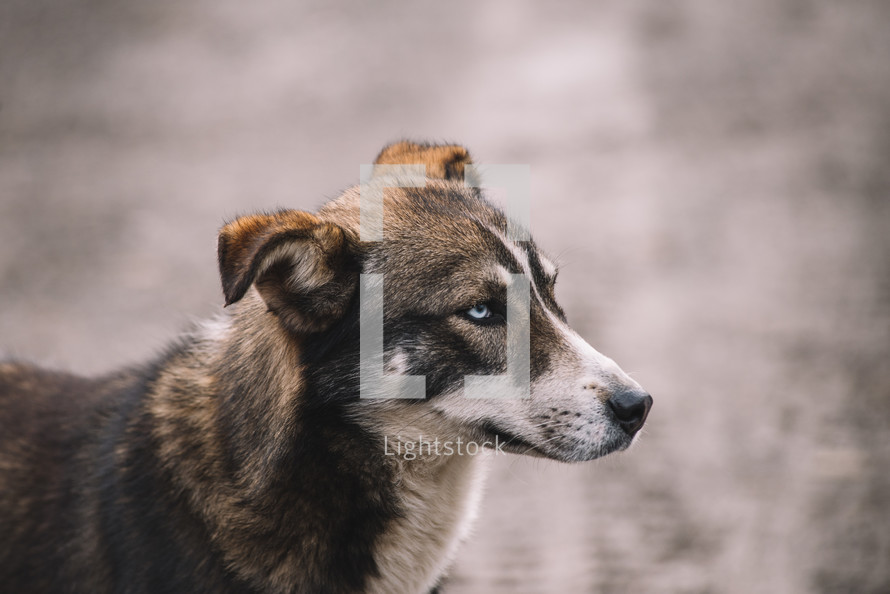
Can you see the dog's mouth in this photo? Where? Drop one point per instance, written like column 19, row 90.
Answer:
column 564, row 450
column 510, row 442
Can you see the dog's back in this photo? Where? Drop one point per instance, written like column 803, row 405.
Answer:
column 48, row 420
column 84, row 501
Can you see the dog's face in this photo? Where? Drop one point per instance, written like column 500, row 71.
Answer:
column 447, row 263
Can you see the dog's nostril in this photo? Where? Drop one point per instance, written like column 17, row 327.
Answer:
column 630, row 408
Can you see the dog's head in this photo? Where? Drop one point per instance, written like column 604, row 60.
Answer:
column 447, row 264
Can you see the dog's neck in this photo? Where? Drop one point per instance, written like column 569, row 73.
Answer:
column 409, row 513
column 439, row 497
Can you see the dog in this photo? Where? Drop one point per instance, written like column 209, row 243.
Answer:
column 245, row 459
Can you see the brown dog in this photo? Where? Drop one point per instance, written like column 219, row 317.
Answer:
column 244, row 460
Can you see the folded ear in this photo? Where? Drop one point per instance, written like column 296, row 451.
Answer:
column 306, row 270
column 442, row 161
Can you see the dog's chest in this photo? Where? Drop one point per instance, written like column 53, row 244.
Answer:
column 440, row 502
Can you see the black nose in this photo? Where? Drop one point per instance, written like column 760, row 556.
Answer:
column 630, row 408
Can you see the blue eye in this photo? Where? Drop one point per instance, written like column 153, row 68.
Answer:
column 489, row 313
column 479, row 312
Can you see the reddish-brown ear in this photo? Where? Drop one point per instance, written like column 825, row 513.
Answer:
column 305, row 269
column 442, row 161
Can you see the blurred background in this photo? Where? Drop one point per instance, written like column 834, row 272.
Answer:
column 714, row 178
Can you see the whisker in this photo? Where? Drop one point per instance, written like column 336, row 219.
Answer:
column 555, row 423
column 530, row 448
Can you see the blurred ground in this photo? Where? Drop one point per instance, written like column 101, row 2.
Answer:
column 714, row 177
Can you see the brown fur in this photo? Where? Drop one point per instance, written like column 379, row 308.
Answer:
column 441, row 161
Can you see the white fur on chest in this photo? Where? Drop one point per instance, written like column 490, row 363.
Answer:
column 440, row 499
